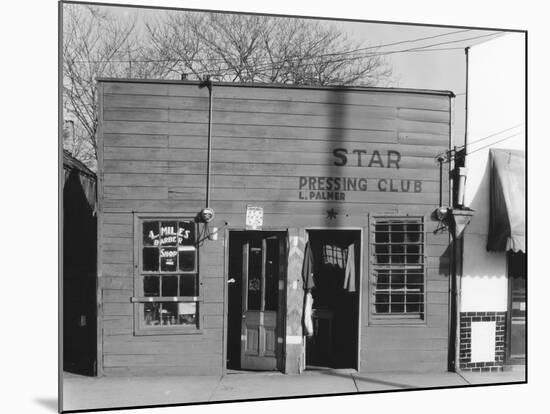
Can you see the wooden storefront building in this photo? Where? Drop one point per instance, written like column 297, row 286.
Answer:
column 323, row 190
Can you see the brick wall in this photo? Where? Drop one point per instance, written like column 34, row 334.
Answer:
column 466, row 319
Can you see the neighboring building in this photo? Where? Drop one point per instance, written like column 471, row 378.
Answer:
column 79, row 267
column 493, row 281
column 342, row 180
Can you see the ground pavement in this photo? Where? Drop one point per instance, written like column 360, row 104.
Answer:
column 81, row 392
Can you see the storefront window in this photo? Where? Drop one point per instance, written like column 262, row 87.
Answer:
column 167, row 279
column 397, row 271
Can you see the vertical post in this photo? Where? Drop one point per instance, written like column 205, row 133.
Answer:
column 293, row 341
column 467, row 50
column 208, row 84
column 440, row 159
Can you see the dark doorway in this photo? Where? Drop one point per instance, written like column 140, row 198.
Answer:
column 517, row 301
column 257, row 270
column 79, row 280
column 335, row 311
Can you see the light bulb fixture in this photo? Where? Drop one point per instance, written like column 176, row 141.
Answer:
column 207, row 214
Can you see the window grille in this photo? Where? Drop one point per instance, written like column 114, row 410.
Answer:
column 397, row 267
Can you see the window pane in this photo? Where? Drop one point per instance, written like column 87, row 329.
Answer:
column 397, row 278
column 187, row 313
column 381, row 235
column 382, row 253
column 168, row 258
column 169, row 314
column 150, row 259
column 151, row 313
column 414, row 276
column 254, row 275
column 151, row 286
column 187, row 258
column 414, row 253
column 414, row 298
column 397, row 251
column 186, row 233
column 397, row 298
column 382, row 308
column 413, row 308
column 397, row 235
column 169, row 286
column 397, row 308
column 150, row 233
column 383, row 276
column 188, row 285
column 413, row 234
column 382, row 298
column 168, row 233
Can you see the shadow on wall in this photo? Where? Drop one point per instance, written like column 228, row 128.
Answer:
column 478, row 261
column 338, row 99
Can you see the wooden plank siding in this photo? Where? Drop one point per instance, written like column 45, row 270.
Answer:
column 267, row 143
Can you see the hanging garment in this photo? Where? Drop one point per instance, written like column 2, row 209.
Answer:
column 307, row 268
column 349, row 278
column 308, row 321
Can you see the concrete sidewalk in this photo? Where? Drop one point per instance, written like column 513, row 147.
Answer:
column 87, row 393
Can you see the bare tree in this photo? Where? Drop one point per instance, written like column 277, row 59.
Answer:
column 227, row 47
column 95, row 44
column 241, row 48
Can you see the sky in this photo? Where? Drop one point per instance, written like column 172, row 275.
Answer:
column 421, row 57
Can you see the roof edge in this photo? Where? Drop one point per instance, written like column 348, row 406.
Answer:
column 284, row 86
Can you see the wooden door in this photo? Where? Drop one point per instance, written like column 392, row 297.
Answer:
column 262, row 275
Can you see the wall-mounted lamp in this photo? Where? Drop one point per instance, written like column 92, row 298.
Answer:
column 462, row 173
column 207, row 214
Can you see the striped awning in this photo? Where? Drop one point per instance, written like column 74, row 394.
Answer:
column 507, row 205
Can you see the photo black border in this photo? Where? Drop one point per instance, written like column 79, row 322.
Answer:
column 60, row 200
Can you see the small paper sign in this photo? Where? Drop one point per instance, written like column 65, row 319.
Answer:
column 254, row 217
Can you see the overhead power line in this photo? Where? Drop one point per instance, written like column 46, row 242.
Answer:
column 452, row 153
column 336, row 54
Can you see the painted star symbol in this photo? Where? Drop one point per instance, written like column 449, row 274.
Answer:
column 331, row 214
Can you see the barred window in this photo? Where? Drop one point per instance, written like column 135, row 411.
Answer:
column 397, row 267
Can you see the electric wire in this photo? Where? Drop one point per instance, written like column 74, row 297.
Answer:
column 460, row 147
column 320, row 55
column 274, row 63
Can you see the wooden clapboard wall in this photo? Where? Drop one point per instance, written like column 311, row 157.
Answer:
column 153, row 150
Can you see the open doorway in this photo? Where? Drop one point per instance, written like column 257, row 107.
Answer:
column 335, row 255
column 257, row 271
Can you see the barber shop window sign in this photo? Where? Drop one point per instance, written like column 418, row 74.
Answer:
column 254, row 217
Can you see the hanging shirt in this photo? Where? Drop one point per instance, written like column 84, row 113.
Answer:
column 308, row 321
column 307, row 268
column 349, row 278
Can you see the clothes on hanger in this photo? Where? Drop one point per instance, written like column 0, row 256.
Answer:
column 349, row 278
column 307, row 268
column 308, row 320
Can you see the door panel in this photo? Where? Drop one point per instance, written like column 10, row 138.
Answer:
column 261, row 273
column 516, row 308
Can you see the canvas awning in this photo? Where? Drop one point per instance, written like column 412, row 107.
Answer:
column 507, row 205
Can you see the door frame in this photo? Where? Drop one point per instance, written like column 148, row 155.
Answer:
column 281, row 314
column 362, row 231
column 508, row 359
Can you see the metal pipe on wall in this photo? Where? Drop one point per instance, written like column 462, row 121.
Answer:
column 208, row 84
